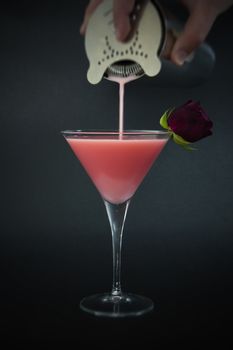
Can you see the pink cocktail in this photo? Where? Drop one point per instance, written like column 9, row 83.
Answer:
column 116, row 166
column 117, row 163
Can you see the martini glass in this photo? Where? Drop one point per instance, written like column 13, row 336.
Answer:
column 116, row 163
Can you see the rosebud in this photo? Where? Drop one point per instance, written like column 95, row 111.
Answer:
column 187, row 123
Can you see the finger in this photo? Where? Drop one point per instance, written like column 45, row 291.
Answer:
column 196, row 29
column 89, row 10
column 121, row 11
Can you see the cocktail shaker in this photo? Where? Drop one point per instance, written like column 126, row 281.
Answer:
column 145, row 51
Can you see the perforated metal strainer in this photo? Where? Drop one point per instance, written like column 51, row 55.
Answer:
column 137, row 56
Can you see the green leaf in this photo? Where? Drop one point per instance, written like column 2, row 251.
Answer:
column 164, row 118
column 182, row 142
column 179, row 140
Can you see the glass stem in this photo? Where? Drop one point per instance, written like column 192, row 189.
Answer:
column 116, row 215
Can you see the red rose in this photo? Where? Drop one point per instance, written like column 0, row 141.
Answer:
column 187, row 123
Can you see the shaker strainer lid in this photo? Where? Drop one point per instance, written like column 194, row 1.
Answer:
column 136, row 56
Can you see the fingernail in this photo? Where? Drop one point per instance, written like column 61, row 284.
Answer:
column 181, row 56
column 119, row 34
column 82, row 29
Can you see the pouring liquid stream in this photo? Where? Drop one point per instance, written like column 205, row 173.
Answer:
column 122, row 81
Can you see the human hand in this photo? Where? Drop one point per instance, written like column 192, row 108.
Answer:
column 202, row 15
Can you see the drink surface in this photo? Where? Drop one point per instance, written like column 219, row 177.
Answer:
column 117, row 166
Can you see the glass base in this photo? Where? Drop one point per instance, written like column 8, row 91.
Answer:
column 125, row 305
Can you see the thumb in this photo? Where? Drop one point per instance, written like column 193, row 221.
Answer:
column 195, row 31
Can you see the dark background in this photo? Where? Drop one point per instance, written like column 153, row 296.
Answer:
column 55, row 243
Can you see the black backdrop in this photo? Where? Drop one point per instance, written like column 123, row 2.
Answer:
column 55, row 244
